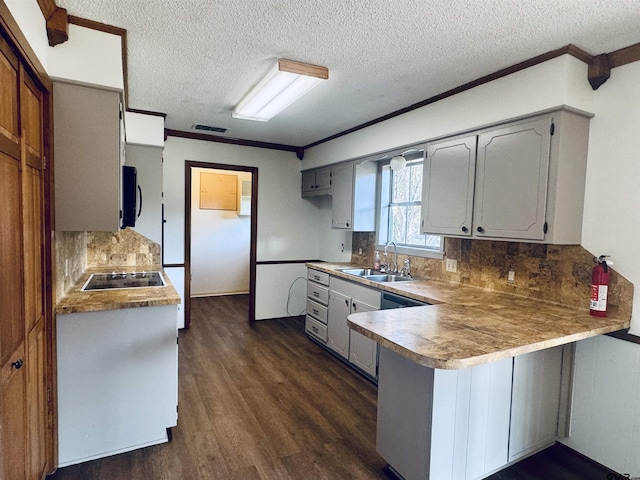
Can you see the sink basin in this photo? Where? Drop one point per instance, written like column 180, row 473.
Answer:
column 384, row 277
column 361, row 272
column 376, row 275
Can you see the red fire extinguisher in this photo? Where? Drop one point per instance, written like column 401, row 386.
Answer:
column 600, row 287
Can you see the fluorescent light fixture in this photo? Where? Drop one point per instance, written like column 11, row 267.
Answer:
column 285, row 83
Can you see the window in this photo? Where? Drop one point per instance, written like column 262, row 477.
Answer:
column 400, row 205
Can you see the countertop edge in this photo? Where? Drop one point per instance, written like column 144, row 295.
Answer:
column 75, row 301
column 466, row 362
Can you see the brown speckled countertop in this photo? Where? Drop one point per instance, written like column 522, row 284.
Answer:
column 77, row 301
column 468, row 326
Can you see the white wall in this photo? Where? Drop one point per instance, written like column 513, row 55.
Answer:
column 144, row 129
column 287, row 224
column 89, row 56
column 220, row 244
column 29, row 17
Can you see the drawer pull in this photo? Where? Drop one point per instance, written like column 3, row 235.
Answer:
column 315, row 311
column 316, row 294
column 315, row 329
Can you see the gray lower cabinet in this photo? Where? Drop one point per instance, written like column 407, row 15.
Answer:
column 337, row 329
column 330, row 300
column 317, row 305
column 466, row 424
column 524, row 181
column 363, row 352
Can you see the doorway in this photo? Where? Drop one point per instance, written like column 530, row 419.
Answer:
column 212, row 206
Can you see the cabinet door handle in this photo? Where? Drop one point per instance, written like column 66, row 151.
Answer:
column 17, row 364
column 480, row 229
column 465, row 229
column 347, row 224
column 346, row 302
column 355, row 307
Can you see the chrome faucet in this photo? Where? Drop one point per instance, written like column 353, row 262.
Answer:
column 395, row 255
column 406, row 269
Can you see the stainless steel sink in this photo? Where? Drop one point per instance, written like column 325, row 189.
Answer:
column 387, row 277
column 360, row 272
column 375, row 275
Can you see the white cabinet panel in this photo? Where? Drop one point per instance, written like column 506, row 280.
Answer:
column 511, row 181
column 88, row 158
column 148, row 163
column 363, row 352
column 448, row 185
column 117, row 381
column 535, row 401
column 176, row 276
column 337, row 329
column 489, row 413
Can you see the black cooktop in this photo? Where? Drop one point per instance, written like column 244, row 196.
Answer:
column 106, row 281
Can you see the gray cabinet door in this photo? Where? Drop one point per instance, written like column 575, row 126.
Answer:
column 87, row 143
column 511, row 181
column 337, row 328
column 447, row 188
column 342, row 202
column 363, row 352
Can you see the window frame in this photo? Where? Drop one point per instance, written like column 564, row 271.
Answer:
column 383, row 207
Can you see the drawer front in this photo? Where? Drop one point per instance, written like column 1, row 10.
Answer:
column 317, row 293
column 318, row 277
column 319, row 312
column 315, row 328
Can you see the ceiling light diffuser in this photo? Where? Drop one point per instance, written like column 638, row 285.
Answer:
column 285, row 83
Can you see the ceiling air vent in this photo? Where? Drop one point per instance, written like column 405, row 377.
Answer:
column 208, row 128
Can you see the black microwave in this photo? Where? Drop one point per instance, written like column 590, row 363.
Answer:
column 131, row 208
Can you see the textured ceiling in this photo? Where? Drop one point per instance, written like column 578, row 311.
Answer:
column 195, row 59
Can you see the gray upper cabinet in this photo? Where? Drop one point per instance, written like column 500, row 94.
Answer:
column 511, row 181
column 525, row 182
column 148, row 163
column 88, row 158
column 354, row 196
column 317, row 182
column 448, row 185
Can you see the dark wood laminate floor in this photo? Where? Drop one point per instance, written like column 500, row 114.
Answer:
column 263, row 402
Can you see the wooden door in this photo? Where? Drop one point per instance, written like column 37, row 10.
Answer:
column 12, row 325
column 24, row 413
column 33, row 234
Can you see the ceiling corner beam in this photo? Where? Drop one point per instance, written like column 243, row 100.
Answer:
column 58, row 27
column 57, row 22
column 599, row 70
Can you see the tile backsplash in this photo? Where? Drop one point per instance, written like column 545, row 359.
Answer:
column 555, row 273
column 125, row 248
column 78, row 251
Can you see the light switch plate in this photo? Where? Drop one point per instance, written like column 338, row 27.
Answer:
column 511, row 277
column 452, row 265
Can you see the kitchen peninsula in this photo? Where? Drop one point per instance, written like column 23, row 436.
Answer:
column 473, row 382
